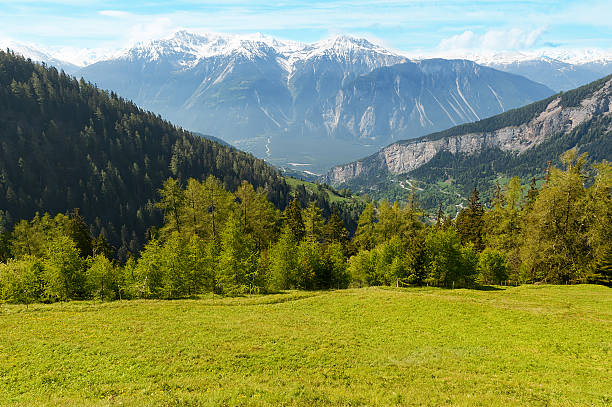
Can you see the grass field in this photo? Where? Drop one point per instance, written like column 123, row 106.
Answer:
column 530, row 345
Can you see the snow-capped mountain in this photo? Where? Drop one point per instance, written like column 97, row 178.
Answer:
column 317, row 104
column 559, row 69
column 37, row 54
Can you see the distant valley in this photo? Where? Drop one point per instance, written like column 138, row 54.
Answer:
column 308, row 107
column 312, row 104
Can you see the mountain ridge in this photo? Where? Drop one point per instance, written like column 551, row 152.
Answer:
column 297, row 103
column 585, row 110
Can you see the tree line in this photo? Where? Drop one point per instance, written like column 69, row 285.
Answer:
column 557, row 230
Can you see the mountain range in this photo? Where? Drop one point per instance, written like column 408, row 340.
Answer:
column 307, row 104
column 518, row 142
column 308, row 107
column 554, row 73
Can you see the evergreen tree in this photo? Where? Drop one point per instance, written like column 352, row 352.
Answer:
column 238, row 259
column 440, row 217
column 532, row 194
column 259, row 217
column 313, row 223
column 284, row 267
column 101, row 247
column 171, row 203
column 202, row 265
column 78, row 231
column 336, row 262
column 470, row 222
column 603, row 269
column 175, row 270
column 364, row 236
column 311, row 271
column 335, row 230
column 512, row 196
column 293, row 219
column 390, row 222
column 555, row 245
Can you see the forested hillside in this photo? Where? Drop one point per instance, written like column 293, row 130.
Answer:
column 444, row 167
column 235, row 243
column 65, row 144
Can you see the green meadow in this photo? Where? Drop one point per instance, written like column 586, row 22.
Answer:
column 528, row 345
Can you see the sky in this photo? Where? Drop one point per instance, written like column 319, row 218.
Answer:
column 411, row 26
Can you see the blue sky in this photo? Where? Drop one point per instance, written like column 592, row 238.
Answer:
column 408, row 25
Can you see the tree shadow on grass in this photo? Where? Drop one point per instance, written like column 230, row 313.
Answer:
column 487, row 288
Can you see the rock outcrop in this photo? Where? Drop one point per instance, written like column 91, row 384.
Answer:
column 554, row 119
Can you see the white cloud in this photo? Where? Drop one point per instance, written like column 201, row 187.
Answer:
column 514, row 39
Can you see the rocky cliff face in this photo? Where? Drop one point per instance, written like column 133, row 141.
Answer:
column 555, row 119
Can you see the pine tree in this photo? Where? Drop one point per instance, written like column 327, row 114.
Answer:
column 259, row 217
column 293, row 219
column 313, row 223
column 172, row 204
column 364, row 236
column 470, row 222
column 512, row 196
column 335, row 230
column 440, row 217
column 78, row 231
column 532, row 194
column 284, row 267
column 100, row 246
column 237, row 259
column 556, row 229
column 603, row 269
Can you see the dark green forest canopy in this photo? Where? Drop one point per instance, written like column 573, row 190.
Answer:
column 66, row 144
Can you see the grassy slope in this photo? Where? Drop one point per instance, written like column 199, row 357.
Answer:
column 546, row 345
column 311, row 187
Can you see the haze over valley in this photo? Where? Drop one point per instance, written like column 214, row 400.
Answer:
column 306, row 107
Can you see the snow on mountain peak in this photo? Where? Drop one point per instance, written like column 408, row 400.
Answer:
column 189, row 48
column 568, row 56
column 345, row 43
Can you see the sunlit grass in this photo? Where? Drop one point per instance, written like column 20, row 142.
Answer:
column 531, row 345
